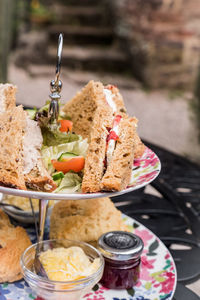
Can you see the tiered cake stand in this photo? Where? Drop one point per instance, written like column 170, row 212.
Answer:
column 145, row 170
column 158, row 275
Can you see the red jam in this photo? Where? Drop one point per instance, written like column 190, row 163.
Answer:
column 120, row 275
column 122, row 252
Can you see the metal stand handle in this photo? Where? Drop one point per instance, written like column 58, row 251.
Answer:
column 56, row 85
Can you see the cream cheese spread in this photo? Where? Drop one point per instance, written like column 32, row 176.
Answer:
column 32, row 143
column 67, row 264
column 109, row 98
column 111, row 143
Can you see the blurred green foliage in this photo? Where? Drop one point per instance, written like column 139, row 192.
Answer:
column 39, row 12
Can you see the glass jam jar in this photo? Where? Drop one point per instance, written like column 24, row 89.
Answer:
column 121, row 251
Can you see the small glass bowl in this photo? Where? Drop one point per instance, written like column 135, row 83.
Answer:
column 60, row 290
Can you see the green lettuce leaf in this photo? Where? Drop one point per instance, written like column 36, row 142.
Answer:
column 54, row 152
column 45, row 107
column 71, row 183
column 53, row 137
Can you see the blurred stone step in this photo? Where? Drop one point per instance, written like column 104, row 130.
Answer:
column 91, row 58
column 81, row 35
column 80, row 15
column 83, row 77
column 83, row 2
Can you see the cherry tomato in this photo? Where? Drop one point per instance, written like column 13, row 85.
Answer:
column 65, row 125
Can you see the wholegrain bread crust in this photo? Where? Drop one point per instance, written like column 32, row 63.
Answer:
column 13, row 242
column 118, row 172
column 84, row 220
column 7, row 97
column 81, row 108
column 39, row 179
column 12, row 126
column 139, row 147
column 94, row 162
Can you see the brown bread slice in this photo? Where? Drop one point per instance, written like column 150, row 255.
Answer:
column 118, row 172
column 83, row 106
column 92, row 116
column 7, row 96
column 139, row 147
column 12, row 129
column 12, row 125
column 82, row 109
column 39, row 179
column 94, row 162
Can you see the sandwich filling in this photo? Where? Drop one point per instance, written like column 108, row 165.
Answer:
column 109, row 99
column 113, row 134
column 112, row 138
column 32, row 144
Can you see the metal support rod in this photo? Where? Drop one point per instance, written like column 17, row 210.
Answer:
column 34, row 216
column 43, row 207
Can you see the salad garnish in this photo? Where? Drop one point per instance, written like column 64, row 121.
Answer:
column 63, row 151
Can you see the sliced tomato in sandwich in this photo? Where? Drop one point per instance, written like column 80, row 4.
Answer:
column 112, row 136
column 117, row 120
column 75, row 164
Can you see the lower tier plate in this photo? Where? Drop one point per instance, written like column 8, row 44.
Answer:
column 157, row 279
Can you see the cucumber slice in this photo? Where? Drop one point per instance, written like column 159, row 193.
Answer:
column 57, row 176
column 66, row 156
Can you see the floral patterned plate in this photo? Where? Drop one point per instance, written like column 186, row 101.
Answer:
column 145, row 170
column 157, row 279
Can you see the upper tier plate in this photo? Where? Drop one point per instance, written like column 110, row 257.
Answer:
column 145, row 170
